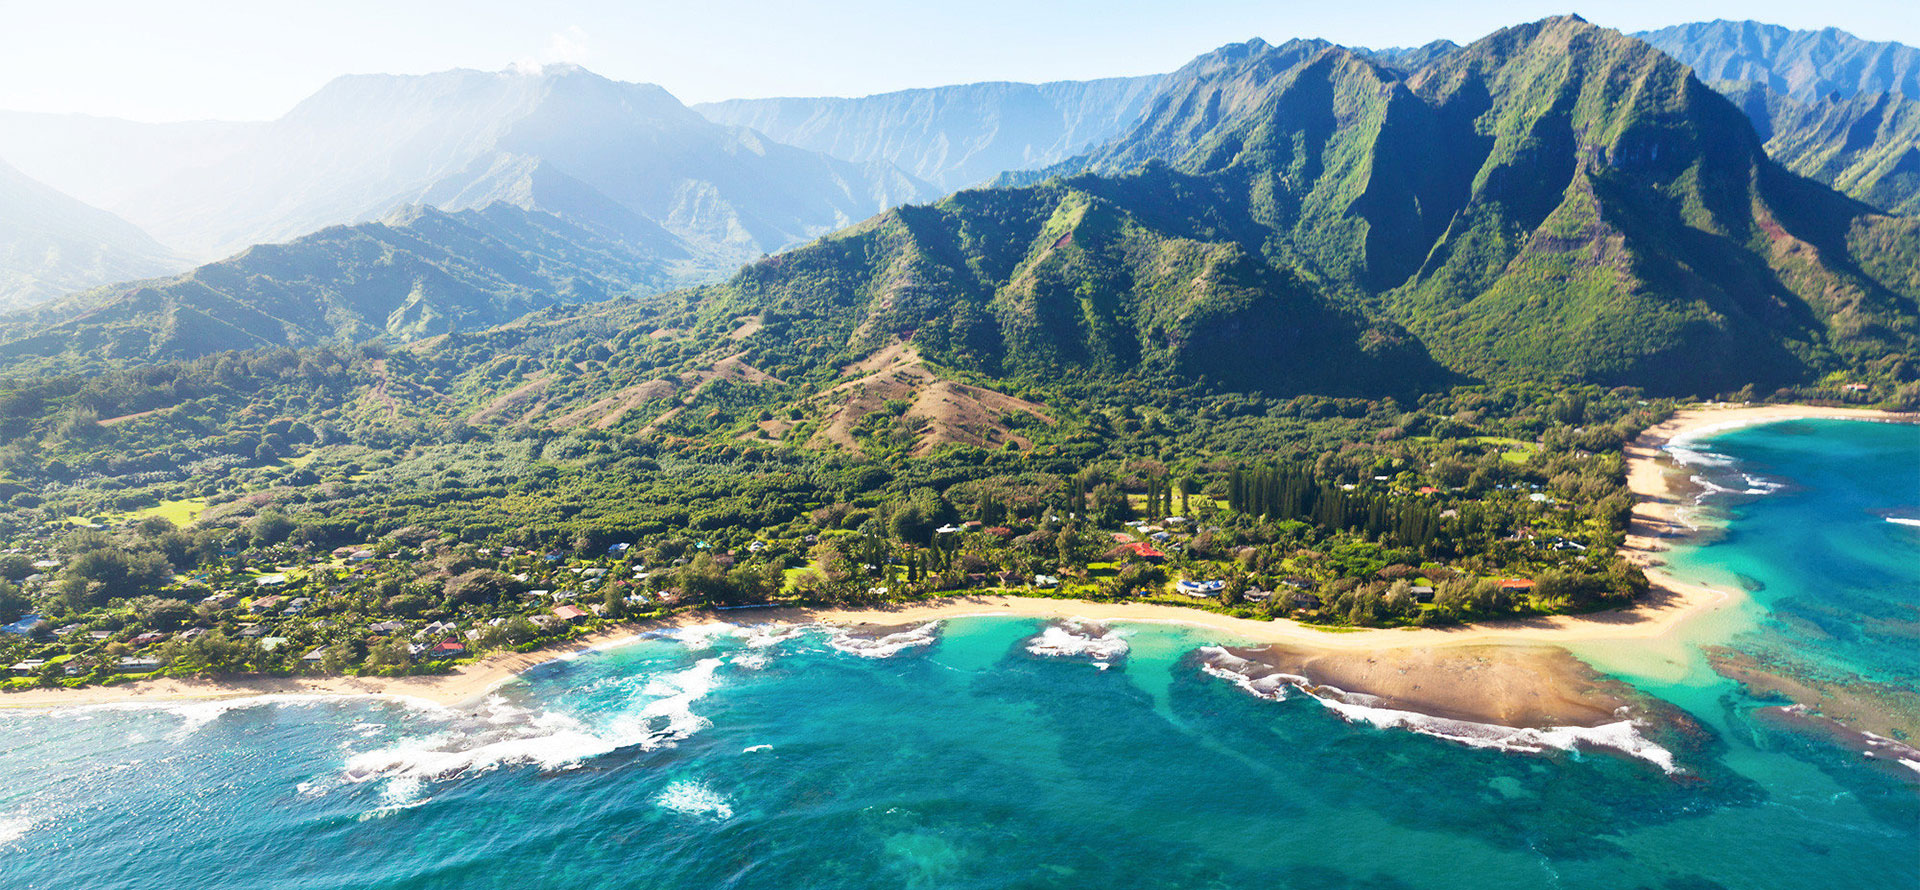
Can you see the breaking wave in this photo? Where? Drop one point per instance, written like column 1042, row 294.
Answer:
column 1622, row 736
column 1902, row 520
column 13, row 828
column 1717, row 475
column 1082, row 639
column 503, row 734
column 844, row 640
column 695, row 799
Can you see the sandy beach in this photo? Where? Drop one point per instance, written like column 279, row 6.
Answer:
column 1650, row 475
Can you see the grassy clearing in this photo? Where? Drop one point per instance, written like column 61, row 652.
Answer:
column 180, row 512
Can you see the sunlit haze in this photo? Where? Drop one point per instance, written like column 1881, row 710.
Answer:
column 252, row 60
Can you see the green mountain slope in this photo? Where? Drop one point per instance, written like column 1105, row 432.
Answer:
column 52, row 244
column 1867, row 146
column 420, row 273
column 1556, row 200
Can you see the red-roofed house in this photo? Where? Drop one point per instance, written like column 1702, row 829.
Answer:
column 569, row 613
column 1138, row 550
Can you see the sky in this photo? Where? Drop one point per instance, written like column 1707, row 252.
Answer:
column 253, row 60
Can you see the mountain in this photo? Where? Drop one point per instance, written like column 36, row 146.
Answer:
column 1555, row 201
column 1803, row 65
column 952, row 136
column 1410, row 58
column 1831, row 106
column 619, row 157
column 420, row 273
column 51, row 244
column 1867, row 146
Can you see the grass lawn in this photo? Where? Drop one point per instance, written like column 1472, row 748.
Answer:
column 179, row 512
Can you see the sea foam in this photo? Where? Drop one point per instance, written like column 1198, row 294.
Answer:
column 502, row 734
column 1079, row 638
column 695, row 799
column 13, row 828
column 844, row 640
column 1622, row 736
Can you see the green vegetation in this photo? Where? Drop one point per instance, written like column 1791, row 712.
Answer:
column 1362, row 347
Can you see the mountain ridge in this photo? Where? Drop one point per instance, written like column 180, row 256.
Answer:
column 952, row 136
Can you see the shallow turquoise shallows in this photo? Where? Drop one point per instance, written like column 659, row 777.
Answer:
column 959, row 758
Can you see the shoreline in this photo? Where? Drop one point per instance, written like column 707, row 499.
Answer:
column 1655, row 520
column 1658, row 508
column 471, row 682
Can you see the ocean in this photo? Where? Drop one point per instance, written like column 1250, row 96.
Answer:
column 1005, row 752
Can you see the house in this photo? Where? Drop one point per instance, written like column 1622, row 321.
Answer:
column 253, row 631
column 29, row 666
column 1256, row 595
column 1304, row 600
column 138, row 665
column 27, row 626
column 570, row 614
column 318, row 654
column 193, row 633
column 447, row 648
column 272, row 643
column 1137, row 550
column 1516, row 585
column 268, row 602
column 1201, row 588
column 386, row 627
column 360, row 555
column 946, row 529
column 225, row 599
column 149, row 638
column 618, row 550
column 1422, row 593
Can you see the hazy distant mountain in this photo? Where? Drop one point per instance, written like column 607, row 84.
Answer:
column 1805, row 65
column 622, row 157
column 1867, row 146
column 952, row 136
column 1410, row 58
column 420, row 273
column 1831, row 106
column 51, row 244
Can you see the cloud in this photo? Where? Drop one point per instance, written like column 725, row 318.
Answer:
column 564, row 47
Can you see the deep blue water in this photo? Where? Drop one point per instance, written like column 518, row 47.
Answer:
column 732, row 759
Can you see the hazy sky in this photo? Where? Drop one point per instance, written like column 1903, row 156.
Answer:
column 163, row 60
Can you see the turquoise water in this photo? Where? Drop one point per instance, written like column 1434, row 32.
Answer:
column 958, row 758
